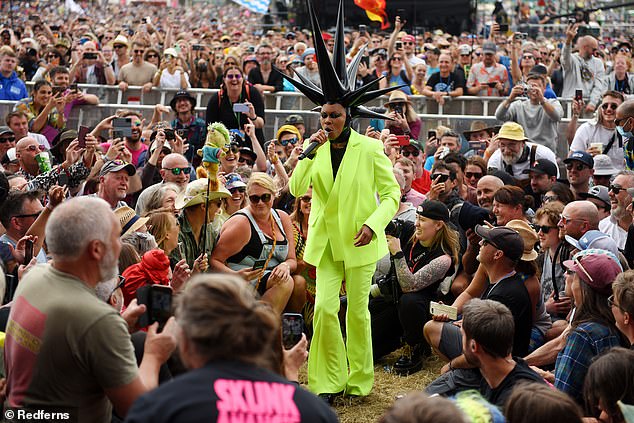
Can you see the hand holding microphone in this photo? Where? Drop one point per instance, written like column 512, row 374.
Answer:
column 317, row 139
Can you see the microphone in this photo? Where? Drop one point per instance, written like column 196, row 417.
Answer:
column 311, row 147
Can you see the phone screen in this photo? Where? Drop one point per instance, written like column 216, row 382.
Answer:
column 122, row 126
column 292, row 329
column 158, row 302
column 81, row 136
column 28, row 251
column 240, row 108
column 578, row 95
column 259, row 264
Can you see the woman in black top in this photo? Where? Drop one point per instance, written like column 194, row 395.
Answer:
column 233, row 91
column 430, row 254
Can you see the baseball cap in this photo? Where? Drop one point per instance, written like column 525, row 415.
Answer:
column 529, row 236
column 69, row 134
column 464, row 49
column 597, row 268
column 288, row 129
column 602, row 165
column 599, row 192
column 434, row 210
column 294, row 120
column 512, row 131
column 505, row 239
column 155, row 144
column 6, row 130
column 308, row 52
column 115, row 166
column 250, row 59
column 542, row 166
column 594, row 239
column 489, row 47
column 379, row 51
column 581, row 156
column 408, row 38
column 10, row 156
column 233, row 180
column 246, row 151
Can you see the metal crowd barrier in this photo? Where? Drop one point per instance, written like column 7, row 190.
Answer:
column 456, row 113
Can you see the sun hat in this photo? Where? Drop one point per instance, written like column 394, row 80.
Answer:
column 196, row 192
column 129, row 220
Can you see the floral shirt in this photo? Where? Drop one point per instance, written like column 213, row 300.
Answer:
column 54, row 123
column 71, row 177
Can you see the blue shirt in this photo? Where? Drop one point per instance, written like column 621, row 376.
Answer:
column 12, row 88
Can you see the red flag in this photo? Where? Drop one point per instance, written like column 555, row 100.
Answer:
column 375, row 9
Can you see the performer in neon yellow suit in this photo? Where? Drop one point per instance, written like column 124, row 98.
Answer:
column 348, row 172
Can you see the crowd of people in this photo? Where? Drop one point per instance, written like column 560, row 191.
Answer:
column 486, row 247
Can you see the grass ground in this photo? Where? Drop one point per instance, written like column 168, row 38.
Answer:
column 387, row 386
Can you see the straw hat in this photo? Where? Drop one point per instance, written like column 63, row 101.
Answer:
column 129, row 220
column 196, row 192
column 398, row 96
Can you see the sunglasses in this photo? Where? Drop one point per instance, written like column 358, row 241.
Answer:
column 408, row 43
column 565, row 220
column 8, row 139
column 24, row 216
column 470, row 175
column 291, row 140
column 576, row 166
column 234, row 148
column 152, row 56
column 583, row 269
column 138, row 51
column 52, row 56
column 333, row 115
column 397, row 58
column 441, row 178
column 528, row 57
column 234, row 76
column 544, row 228
column 178, row 170
column 619, row 122
column 118, row 46
column 306, row 198
column 486, row 242
column 548, row 198
column 615, row 189
column 249, row 162
column 478, row 54
column 35, row 148
column 413, row 153
column 612, row 106
column 265, row 198
column 238, row 189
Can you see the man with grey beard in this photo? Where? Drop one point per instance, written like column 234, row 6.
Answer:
column 515, row 154
column 263, row 77
column 58, row 330
column 620, row 219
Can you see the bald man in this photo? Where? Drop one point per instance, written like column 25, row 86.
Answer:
column 485, row 190
column 579, row 217
column 582, row 70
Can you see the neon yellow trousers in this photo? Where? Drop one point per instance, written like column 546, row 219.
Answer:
column 333, row 366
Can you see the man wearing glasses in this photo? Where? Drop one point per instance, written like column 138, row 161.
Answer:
column 138, row 72
column 620, row 219
column 622, row 304
column 121, row 56
column 262, row 76
column 600, row 136
column 416, row 153
column 580, row 168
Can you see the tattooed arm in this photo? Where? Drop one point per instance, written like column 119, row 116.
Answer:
column 432, row 272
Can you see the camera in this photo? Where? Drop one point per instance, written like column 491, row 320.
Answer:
column 31, row 52
column 525, row 88
column 398, row 108
column 202, row 66
column 394, row 228
column 387, row 287
column 169, row 134
column 520, row 36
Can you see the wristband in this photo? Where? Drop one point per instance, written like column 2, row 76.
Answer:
column 450, row 366
column 398, row 255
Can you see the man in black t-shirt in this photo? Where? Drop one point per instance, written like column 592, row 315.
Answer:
column 445, row 82
column 487, row 338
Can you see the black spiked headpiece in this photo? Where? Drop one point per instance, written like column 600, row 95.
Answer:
column 337, row 80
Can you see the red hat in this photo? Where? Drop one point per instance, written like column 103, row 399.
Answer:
column 153, row 269
column 326, row 36
column 408, row 38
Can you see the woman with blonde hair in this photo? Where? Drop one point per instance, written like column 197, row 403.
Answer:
column 430, row 255
column 256, row 244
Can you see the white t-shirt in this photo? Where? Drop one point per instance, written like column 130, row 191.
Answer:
column 611, row 228
column 591, row 132
column 542, row 152
column 169, row 80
